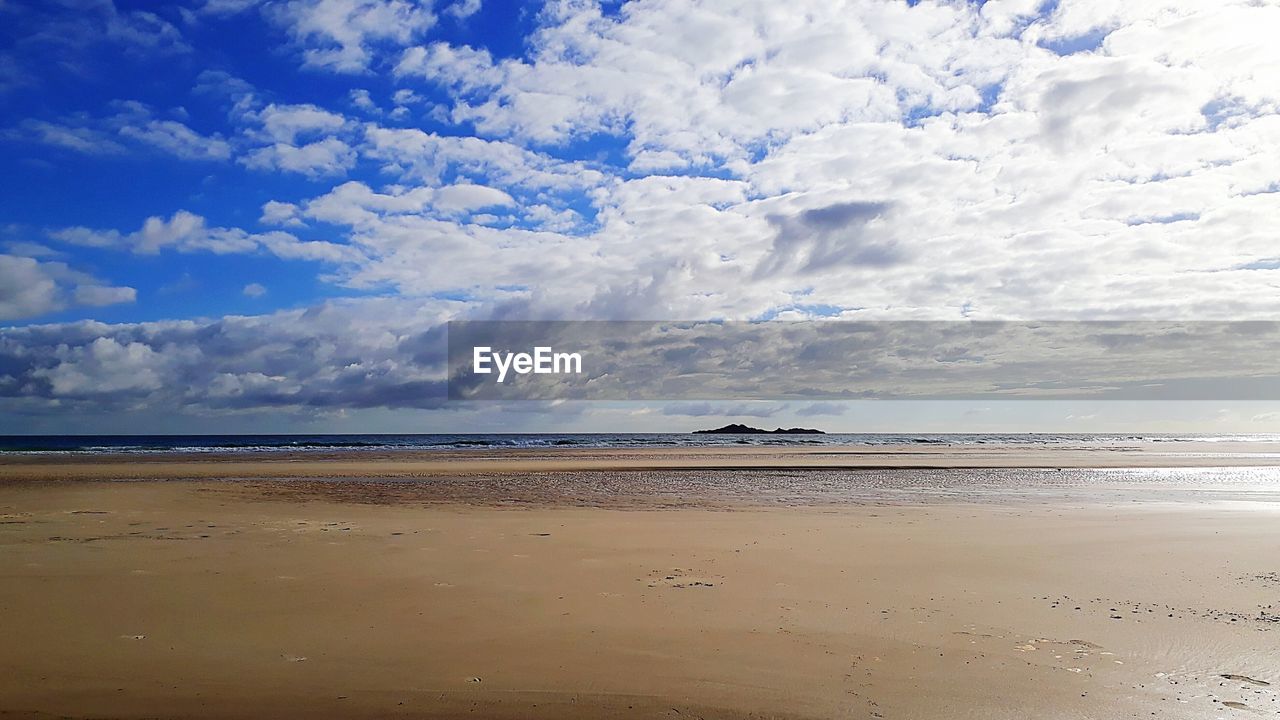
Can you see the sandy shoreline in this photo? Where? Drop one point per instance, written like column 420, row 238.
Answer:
column 353, row 599
column 408, row 464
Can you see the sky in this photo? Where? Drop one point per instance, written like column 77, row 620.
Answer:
column 251, row 216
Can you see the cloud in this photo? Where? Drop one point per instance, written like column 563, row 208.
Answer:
column 344, row 35
column 142, row 30
column 285, row 123
column 254, row 290
column 80, row 139
column 415, row 154
column 727, row 361
column 132, row 126
column 463, row 9
column 30, row 287
column 279, row 213
column 824, row 238
column 76, row 26
column 330, row 156
column 740, row 74
column 187, row 232
column 228, row 7
column 822, row 409
column 668, row 159
column 706, row 409
column 315, row 360
column 179, row 140
column 98, row 295
column 361, row 99
column 304, row 139
column 102, row 367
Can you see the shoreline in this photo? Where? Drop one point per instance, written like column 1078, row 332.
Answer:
column 356, row 463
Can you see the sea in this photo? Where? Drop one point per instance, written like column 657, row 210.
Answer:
column 50, row 444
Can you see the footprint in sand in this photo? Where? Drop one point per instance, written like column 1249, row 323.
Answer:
column 678, row 578
column 1235, row 705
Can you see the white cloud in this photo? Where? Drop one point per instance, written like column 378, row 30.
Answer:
column 228, row 7
column 82, row 139
column 188, row 233
column 133, row 124
column 254, row 290
column 463, row 9
column 27, row 289
column 31, row 287
column 428, row 157
column 330, row 156
column 342, row 35
column 279, row 213
column 464, row 197
column 142, row 30
column 98, row 295
column 368, row 353
column 361, row 99
column 179, row 140
column 103, row 367
column 285, row 123
column 1014, row 168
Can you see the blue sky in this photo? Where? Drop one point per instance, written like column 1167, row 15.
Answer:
column 220, row 186
column 83, row 81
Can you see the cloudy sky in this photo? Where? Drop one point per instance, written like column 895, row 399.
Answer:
column 245, row 215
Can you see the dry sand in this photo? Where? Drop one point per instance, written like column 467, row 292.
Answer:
column 327, row 599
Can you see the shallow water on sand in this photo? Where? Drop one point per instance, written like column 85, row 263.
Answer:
column 1257, row 488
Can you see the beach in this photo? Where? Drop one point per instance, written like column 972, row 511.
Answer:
column 900, row 582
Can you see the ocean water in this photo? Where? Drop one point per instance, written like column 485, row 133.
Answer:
column 427, row 442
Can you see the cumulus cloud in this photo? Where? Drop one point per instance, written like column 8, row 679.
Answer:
column 343, row 35
column 285, row 123
column 304, row 139
column 279, row 213
column 330, row 156
column 30, row 287
column 324, row 358
column 463, row 9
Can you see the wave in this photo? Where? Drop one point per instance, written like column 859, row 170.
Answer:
column 52, row 444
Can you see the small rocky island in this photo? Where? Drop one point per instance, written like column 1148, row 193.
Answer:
column 736, row 429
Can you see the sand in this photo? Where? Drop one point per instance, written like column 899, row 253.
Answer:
column 260, row 597
column 423, row 464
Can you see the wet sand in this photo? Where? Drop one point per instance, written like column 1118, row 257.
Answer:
column 454, row 463
column 911, row 593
